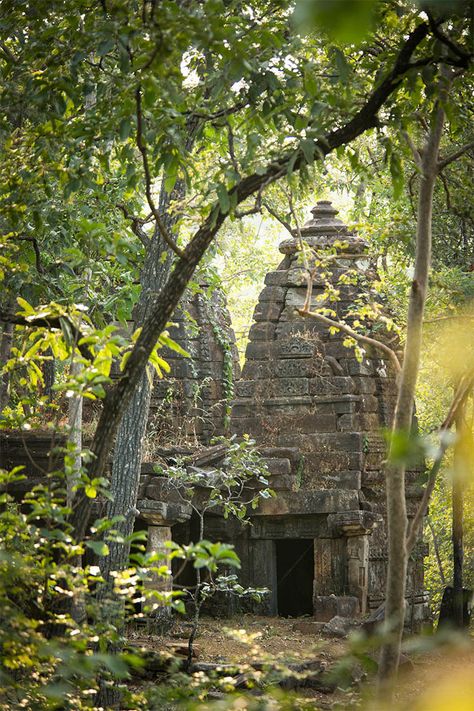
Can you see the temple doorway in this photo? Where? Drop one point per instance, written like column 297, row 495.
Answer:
column 295, row 573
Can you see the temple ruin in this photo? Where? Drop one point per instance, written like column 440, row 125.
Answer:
column 317, row 413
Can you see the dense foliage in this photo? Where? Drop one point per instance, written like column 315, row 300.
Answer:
column 236, row 116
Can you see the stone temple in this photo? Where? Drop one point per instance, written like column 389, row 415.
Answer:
column 317, row 413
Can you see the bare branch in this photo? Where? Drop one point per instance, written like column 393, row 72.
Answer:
column 446, row 189
column 136, row 224
column 230, row 140
column 392, row 356
column 281, row 220
column 34, row 242
column 146, row 169
column 414, row 150
column 217, row 114
column 454, row 156
column 455, row 49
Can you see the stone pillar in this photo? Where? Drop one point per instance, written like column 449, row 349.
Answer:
column 158, row 536
column 355, row 527
column 357, row 552
column 160, row 515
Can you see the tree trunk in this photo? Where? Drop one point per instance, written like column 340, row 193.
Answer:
column 128, row 449
column 457, row 521
column 403, row 415
column 75, row 435
column 5, row 350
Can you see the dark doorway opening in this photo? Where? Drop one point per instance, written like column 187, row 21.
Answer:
column 295, row 573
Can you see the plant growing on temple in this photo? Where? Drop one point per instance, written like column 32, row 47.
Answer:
column 233, row 489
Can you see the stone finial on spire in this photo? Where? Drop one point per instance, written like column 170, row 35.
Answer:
column 323, row 229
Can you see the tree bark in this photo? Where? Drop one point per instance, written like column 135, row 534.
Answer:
column 457, row 520
column 75, row 435
column 403, row 415
column 5, row 350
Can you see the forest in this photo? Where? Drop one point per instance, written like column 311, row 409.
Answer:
column 237, row 355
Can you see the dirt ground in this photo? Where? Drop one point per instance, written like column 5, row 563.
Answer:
column 434, row 679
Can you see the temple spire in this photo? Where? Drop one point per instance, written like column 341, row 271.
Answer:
column 323, row 229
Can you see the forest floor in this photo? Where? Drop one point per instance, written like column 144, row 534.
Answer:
column 432, row 679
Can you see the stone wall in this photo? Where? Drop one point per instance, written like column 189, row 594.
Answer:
column 193, row 405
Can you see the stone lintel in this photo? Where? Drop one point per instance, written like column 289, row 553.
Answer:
column 336, row 398
column 352, row 523
column 309, row 502
column 288, row 401
column 160, row 513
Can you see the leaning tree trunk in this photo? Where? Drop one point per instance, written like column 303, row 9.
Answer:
column 403, row 415
column 128, row 447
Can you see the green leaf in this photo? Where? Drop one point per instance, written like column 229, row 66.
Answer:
column 125, row 128
column 99, row 547
column 396, row 172
column 105, row 46
column 348, row 21
column 223, row 197
column 308, row 147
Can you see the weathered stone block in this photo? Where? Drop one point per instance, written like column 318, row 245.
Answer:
column 348, row 422
column 262, row 331
column 338, row 406
column 293, row 454
column 368, row 403
column 242, row 408
column 278, row 466
column 308, row 423
column 296, row 348
column 329, row 462
column 328, row 606
column 309, row 502
column 296, row 276
column 293, row 404
column 294, row 368
column 267, row 311
column 365, row 385
column 370, row 421
column 290, row 386
column 245, row 388
column 295, row 298
column 278, row 278
column 255, row 370
column 323, row 385
column 356, row 368
column 310, row 328
column 281, row 482
column 337, row 349
column 247, row 425
column 273, row 293
column 349, row 480
column 260, row 350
